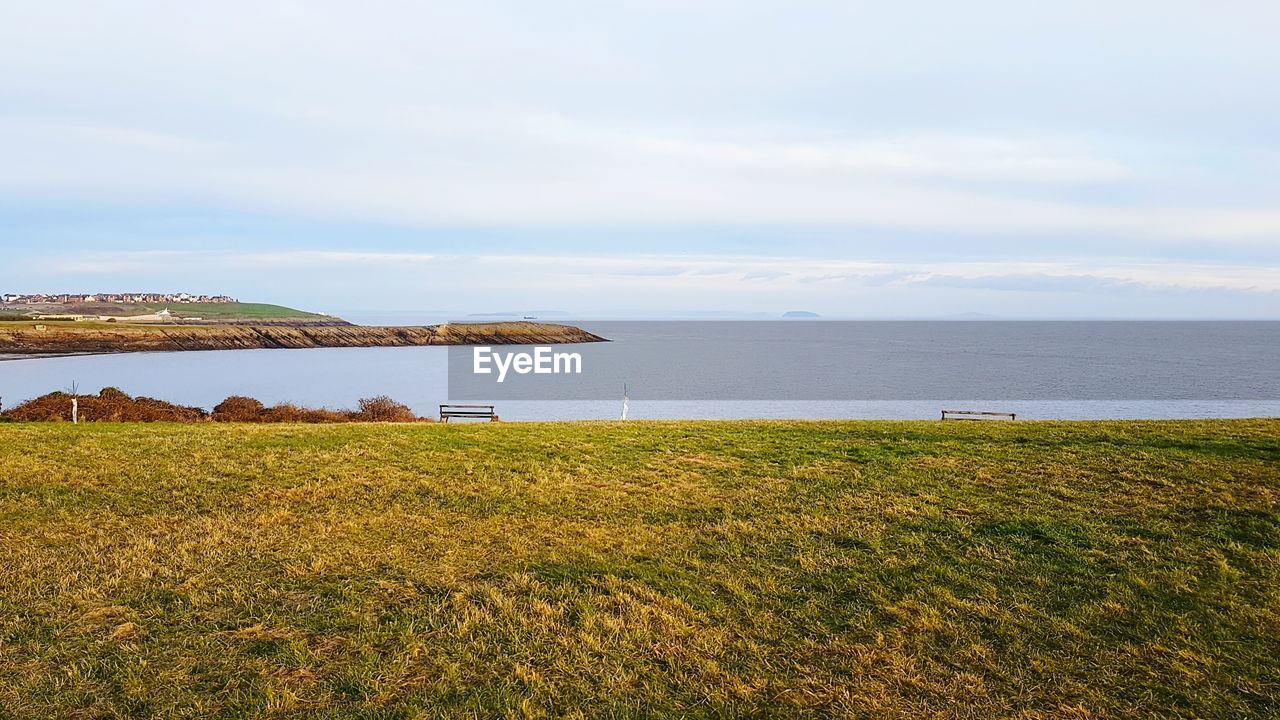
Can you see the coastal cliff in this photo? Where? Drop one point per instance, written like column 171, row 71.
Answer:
column 27, row 338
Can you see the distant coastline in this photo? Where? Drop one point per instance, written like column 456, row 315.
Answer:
column 27, row 339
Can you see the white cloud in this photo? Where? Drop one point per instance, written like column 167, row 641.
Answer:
column 313, row 258
column 494, row 113
column 783, row 274
column 1042, row 127
column 566, row 174
column 920, row 156
column 111, row 263
column 704, row 274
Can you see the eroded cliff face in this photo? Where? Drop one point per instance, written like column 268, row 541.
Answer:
column 28, row 338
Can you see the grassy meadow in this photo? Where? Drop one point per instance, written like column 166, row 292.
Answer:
column 221, row 312
column 681, row 569
column 246, row 312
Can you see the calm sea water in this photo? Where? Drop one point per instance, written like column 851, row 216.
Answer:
column 1039, row 370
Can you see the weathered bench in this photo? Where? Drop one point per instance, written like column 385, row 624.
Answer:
column 475, row 412
column 977, row 415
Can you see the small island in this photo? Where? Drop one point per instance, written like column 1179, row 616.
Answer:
column 148, row 322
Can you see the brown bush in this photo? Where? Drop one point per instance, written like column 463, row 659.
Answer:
column 145, row 409
column 109, row 405
column 238, row 408
column 114, row 405
column 46, row 408
column 113, row 394
column 384, row 409
column 290, row 413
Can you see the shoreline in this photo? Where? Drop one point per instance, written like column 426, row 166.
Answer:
column 6, row 357
column 28, row 340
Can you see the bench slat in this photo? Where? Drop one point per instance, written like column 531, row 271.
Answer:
column 975, row 414
column 467, row 411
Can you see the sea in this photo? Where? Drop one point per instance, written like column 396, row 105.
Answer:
column 746, row 369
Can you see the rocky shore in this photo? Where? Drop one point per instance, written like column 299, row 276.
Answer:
column 54, row 338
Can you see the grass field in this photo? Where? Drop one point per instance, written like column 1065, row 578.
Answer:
column 223, row 312
column 796, row 569
column 237, row 311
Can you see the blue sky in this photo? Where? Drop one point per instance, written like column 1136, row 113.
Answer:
column 854, row 159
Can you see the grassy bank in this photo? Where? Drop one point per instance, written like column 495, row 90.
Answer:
column 871, row 569
column 214, row 312
column 236, row 312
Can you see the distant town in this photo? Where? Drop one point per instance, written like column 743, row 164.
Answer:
column 115, row 298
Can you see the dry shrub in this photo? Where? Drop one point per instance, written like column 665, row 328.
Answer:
column 384, row 409
column 109, row 405
column 113, row 394
column 290, row 413
column 46, row 408
column 145, row 409
column 114, row 405
column 245, row 409
column 238, row 408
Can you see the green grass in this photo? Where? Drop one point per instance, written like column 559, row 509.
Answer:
column 804, row 569
column 207, row 311
column 235, row 311
column 224, row 310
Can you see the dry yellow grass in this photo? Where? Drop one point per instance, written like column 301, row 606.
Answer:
column 819, row 569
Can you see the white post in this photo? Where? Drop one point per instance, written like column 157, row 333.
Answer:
column 75, row 411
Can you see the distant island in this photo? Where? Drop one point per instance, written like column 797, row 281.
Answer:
column 797, row 314
column 141, row 322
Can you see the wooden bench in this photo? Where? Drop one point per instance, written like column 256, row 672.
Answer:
column 977, row 415
column 476, row 412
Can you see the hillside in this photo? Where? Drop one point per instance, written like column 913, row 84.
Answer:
column 29, row 338
column 684, row 569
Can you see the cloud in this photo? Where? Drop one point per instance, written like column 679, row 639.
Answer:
column 356, row 121
column 706, row 272
column 312, row 258
column 763, row 275
column 1037, row 282
column 570, row 174
column 954, row 157
column 533, row 172
column 103, row 263
column 981, row 142
column 109, row 263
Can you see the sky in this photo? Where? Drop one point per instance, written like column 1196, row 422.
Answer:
column 908, row 159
